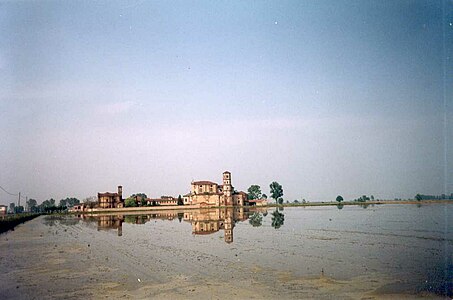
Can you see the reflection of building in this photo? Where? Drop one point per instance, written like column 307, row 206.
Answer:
column 208, row 221
column 111, row 200
column 203, row 221
column 212, row 194
column 108, row 222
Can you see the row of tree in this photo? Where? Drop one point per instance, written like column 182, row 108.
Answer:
column 276, row 192
column 48, row 205
column 420, row 197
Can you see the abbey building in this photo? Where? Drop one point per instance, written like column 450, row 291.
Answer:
column 208, row 193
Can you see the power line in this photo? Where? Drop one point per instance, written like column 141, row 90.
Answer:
column 8, row 192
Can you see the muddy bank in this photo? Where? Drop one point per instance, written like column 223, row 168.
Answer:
column 8, row 222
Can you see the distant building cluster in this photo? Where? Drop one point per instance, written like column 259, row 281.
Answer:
column 202, row 194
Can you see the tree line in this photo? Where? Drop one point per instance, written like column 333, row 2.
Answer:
column 48, row 205
column 420, row 197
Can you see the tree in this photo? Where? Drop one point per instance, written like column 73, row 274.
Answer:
column 278, row 219
column 12, row 205
column 264, row 196
column 63, row 203
column 180, row 202
column 254, row 192
column 18, row 209
column 276, row 191
column 139, row 195
column 339, row 199
column 69, row 202
column 32, row 205
column 90, row 202
column 372, row 198
column 130, row 202
column 418, row 197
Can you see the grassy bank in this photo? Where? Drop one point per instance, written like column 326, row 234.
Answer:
column 8, row 222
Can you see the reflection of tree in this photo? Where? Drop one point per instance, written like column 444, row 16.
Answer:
column 340, row 206
column 180, row 216
column 277, row 219
column 256, row 219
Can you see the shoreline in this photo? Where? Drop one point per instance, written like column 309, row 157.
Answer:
column 9, row 222
column 192, row 207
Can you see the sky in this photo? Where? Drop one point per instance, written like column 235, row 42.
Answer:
column 327, row 98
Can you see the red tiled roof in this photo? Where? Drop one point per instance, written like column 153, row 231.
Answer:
column 203, row 182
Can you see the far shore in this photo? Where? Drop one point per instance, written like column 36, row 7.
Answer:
column 190, row 207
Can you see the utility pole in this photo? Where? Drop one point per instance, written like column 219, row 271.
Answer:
column 18, row 203
column 26, row 203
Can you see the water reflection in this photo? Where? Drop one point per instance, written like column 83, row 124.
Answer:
column 278, row 219
column 111, row 222
column 203, row 221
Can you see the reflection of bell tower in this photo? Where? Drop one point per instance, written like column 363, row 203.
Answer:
column 228, row 229
column 227, row 188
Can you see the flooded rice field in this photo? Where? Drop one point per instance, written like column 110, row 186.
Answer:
column 350, row 252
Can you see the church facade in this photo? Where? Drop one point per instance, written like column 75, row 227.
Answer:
column 208, row 193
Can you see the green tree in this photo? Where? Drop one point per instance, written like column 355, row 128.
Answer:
column 254, row 192
column 32, row 205
column 18, row 209
column 63, row 203
column 12, row 205
column 130, row 202
column 276, row 191
column 139, row 195
column 278, row 219
column 256, row 219
column 372, row 198
column 339, row 199
column 418, row 197
column 180, row 202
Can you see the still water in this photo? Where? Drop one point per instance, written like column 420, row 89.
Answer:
column 350, row 252
column 410, row 245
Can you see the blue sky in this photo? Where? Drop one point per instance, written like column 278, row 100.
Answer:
column 325, row 97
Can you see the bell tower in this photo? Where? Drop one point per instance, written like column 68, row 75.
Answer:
column 120, row 192
column 227, row 188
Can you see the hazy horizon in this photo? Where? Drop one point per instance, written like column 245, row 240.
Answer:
column 325, row 97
